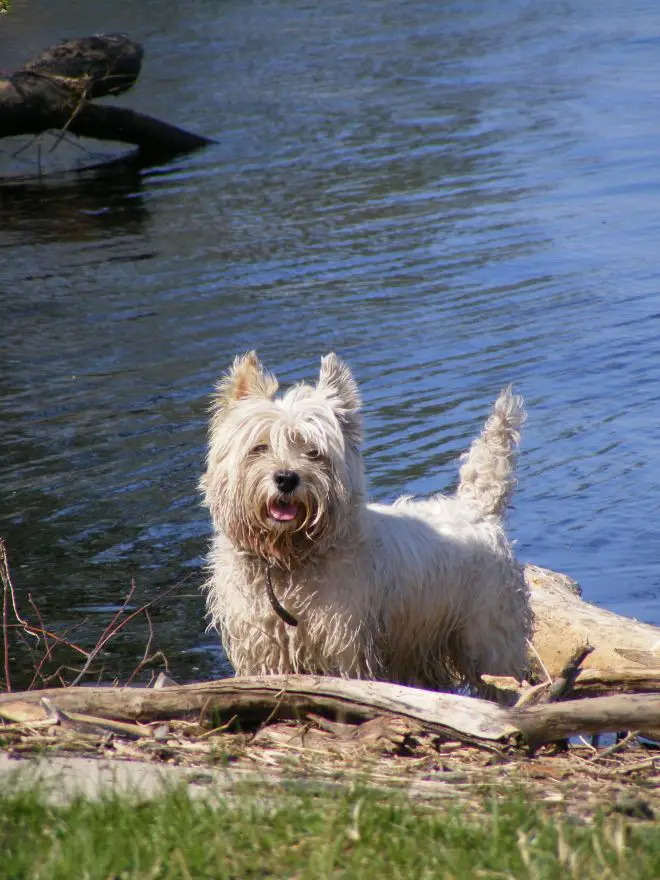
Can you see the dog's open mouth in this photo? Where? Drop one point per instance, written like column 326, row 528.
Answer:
column 283, row 511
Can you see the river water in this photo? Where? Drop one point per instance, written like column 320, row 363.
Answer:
column 453, row 196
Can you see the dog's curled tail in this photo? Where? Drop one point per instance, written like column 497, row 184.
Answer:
column 487, row 475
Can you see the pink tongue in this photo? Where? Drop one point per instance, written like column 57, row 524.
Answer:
column 283, row 512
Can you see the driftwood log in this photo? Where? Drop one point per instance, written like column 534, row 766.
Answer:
column 255, row 700
column 564, row 621
column 56, row 90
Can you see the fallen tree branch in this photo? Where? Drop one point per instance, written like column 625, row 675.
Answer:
column 256, row 699
column 602, row 682
column 55, row 91
column 556, row 721
column 562, row 686
column 559, row 688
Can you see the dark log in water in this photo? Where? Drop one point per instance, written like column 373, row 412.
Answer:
column 56, row 90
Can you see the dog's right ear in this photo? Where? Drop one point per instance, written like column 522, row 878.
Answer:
column 336, row 380
column 246, row 377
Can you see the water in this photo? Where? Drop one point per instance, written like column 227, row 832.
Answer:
column 452, row 196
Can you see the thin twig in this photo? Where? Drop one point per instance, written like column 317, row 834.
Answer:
column 563, row 684
column 76, row 110
column 5, row 629
column 532, row 648
column 622, row 743
column 276, row 708
column 53, row 640
column 146, row 649
column 587, row 745
column 38, row 634
column 24, row 625
column 83, row 88
column 220, row 729
column 25, row 147
column 147, row 661
column 6, row 581
column 633, row 768
column 47, row 653
column 124, row 605
column 558, row 689
column 57, row 675
column 106, row 635
column 31, row 651
column 58, row 641
column 109, row 633
column 70, row 140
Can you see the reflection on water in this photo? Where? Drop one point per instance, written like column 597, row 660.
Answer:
column 452, row 196
column 83, row 207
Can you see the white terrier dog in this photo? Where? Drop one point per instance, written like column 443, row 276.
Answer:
column 424, row 593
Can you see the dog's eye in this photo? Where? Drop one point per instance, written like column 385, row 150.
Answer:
column 257, row 450
column 313, row 454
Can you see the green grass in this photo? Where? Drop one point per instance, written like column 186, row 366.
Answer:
column 358, row 834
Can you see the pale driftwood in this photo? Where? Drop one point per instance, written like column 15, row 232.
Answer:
column 562, row 686
column 553, row 690
column 564, row 621
column 262, row 699
column 554, row 721
column 89, row 723
column 602, row 682
column 589, row 683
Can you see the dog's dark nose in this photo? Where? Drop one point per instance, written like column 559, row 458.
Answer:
column 286, row 481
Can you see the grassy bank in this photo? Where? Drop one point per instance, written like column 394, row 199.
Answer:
column 349, row 834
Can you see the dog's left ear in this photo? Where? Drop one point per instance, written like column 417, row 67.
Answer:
column 336, row 380
column 246, row 378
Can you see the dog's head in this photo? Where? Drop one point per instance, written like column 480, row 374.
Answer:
column 284, row 474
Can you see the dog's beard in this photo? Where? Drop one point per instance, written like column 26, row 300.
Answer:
column 284, row 528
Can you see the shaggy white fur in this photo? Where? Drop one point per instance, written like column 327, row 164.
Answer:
column 424, row 593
